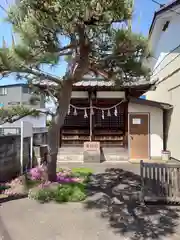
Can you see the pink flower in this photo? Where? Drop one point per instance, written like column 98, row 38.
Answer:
column 76, row 179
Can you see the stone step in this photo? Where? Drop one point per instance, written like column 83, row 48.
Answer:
column 70, row 154
column 75, row 154
column 114, row 150
column 70, row 158
column 71, row 150
column 81, row 149
column 115, row 154
column 114, row 158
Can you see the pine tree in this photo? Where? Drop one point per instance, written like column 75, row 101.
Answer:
column 100, row 41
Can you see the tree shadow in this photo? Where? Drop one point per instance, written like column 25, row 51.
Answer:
column 116, row 193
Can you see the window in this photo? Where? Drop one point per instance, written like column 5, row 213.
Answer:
column 3, row 91
column 26, row 90
column 165, row 26
column 13, row 103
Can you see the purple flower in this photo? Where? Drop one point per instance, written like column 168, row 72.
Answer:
column 59, row 178
column 36, row 173
column 67, row 180
column 63, row 179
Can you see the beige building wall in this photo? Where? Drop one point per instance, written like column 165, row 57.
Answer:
column 155, row 126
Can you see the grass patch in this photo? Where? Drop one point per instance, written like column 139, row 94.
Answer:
column 3, row 188
column 82, row 172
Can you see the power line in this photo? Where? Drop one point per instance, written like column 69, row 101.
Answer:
column 165, row 58
column 162, row 5
column 165, row 65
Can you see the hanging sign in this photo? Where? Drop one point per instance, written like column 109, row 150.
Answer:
column 91, row 146
column 136, row 121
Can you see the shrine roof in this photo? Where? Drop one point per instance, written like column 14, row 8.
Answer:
column 136, row 86
column 141, row 101
column 94, row 82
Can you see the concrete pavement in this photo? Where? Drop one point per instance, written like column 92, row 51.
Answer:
column 111, row 212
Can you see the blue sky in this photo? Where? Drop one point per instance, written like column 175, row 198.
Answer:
column 143, row 13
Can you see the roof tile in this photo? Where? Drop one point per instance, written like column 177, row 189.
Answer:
column 97, row 83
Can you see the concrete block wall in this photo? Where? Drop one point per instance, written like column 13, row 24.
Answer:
column 10, row 156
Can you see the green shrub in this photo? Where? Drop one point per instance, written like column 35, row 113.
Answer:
column 63, row 193
column 78, row 193
column 3, row 188
column 42, row 195
column 74, row 192
column 59, row 170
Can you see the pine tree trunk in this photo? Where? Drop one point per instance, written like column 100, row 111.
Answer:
column 54, row 129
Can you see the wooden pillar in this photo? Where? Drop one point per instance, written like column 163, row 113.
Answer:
column 60, row 137
column 126, row 120
column 91, row 119
column 92, row 96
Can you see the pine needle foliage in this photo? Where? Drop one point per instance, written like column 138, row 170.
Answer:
column 94, row 44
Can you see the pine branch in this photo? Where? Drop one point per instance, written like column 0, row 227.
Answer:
column 67, row 47
column 43, row 76
column 18, row 112
column 47, row 91
column 38, row 73
column 115, row 53
column 100, row 72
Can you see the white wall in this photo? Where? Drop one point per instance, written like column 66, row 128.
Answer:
column 156, row 126
column 163, row 42
column 168, row 88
